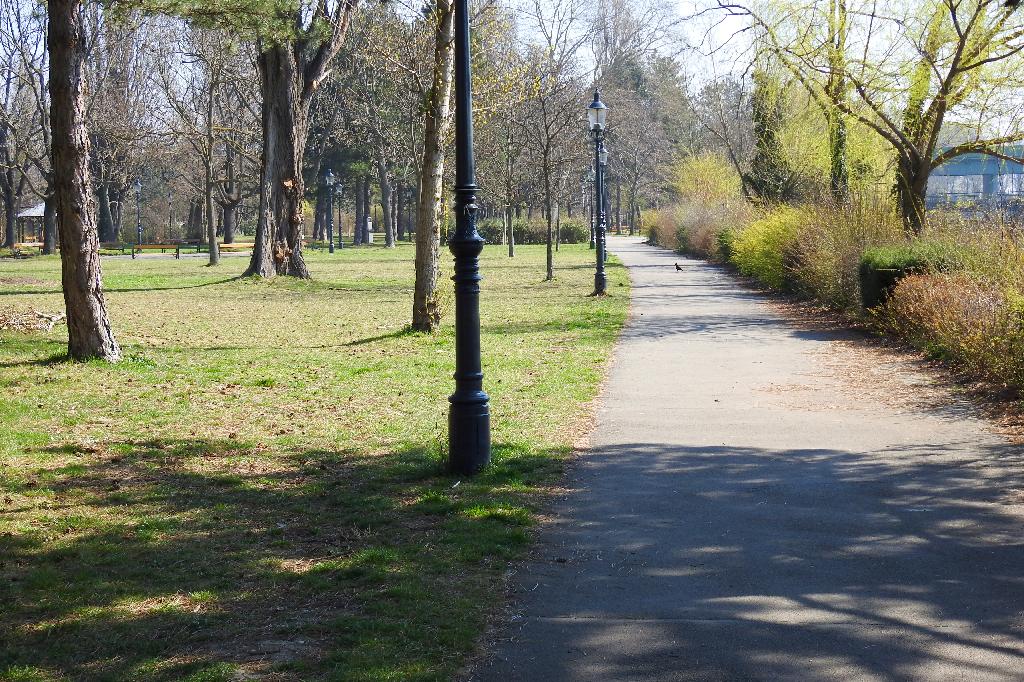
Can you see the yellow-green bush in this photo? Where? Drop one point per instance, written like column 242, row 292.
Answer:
column 968, row 321
column 831, row 242
column 763, row 249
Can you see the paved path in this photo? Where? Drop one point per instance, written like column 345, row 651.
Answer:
column 763, row 502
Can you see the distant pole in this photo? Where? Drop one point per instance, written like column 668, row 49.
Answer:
column 329, row 189
column 138, row 211
column 469, row 416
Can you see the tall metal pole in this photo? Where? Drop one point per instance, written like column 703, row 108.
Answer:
column 469, row 415
column 600, row 280
column 330, row 218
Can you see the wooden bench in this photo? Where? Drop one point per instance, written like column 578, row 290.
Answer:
column 162, row 248
column 235, row 247
column 115, row 246
column 22, row 248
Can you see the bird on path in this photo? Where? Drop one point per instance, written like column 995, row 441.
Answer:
column 678, row 268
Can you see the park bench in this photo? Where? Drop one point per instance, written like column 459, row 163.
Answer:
column 235, row 247
column 115, row 246
column 22, row 248
column 162, row 248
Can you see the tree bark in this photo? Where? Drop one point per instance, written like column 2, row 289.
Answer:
column 89, row 331
column 211, row 222
column 107, row 231
column 367, row 207
column 910, row 189
column 10, row 221
column 385, row 204
column 426, row 313
column 49, row 224
column 400, row 212
column 278, row 246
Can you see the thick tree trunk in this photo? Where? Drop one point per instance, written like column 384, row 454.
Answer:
column 910, row 189
column 230, row 211
column 89, row 332
column 426, row 313
column 385, row 204
column 278, row 245
column 49, row 224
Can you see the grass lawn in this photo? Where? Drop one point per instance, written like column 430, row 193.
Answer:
column 256, row 492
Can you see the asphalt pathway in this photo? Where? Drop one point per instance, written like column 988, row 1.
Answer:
column 765, row 501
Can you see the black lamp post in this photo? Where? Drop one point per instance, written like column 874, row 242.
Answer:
column 591, row 182
column 606, row 205
column 329, row 181
column 469, row 416
column 597, row 113
column 138, row 211
column 341, row 238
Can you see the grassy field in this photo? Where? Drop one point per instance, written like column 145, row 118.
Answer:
column 256, row 491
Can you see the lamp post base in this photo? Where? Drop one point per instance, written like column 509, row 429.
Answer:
column 469, row 436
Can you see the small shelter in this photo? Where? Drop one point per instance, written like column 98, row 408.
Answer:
column 30, row 223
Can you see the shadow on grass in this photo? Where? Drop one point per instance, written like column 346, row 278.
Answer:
column 397, row 334
column 125, row 290
column 164, row 559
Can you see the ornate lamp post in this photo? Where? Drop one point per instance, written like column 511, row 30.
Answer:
column 329, row 182
column 469, row 415
column 138, row 211
column 606, row 202
column 597, row 113
column 591, row 180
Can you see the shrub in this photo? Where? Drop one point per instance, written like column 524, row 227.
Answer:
column 883, row 266
column 830, row 244
column 970, row 322
column 574, row 231
column 762, row 250
column 492, row 230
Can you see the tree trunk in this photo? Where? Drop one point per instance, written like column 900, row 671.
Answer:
column 230, row 210
column 550, row 260
column 385, row 204
column 89, row 332
column 107, row 230
column 211, row 223
column 368, row 206
column 426, row 313
column 911, row 185
column 278, row 245
column 10, row 220
column 400, row 212
column 618, row 206
column 49, row 224
column 511, row 231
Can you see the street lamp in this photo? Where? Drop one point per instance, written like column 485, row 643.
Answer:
column 469, row 416
column 606, row 202
column 138, row 210
column 591, row 179
column 597, row 113
column 329, row 179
